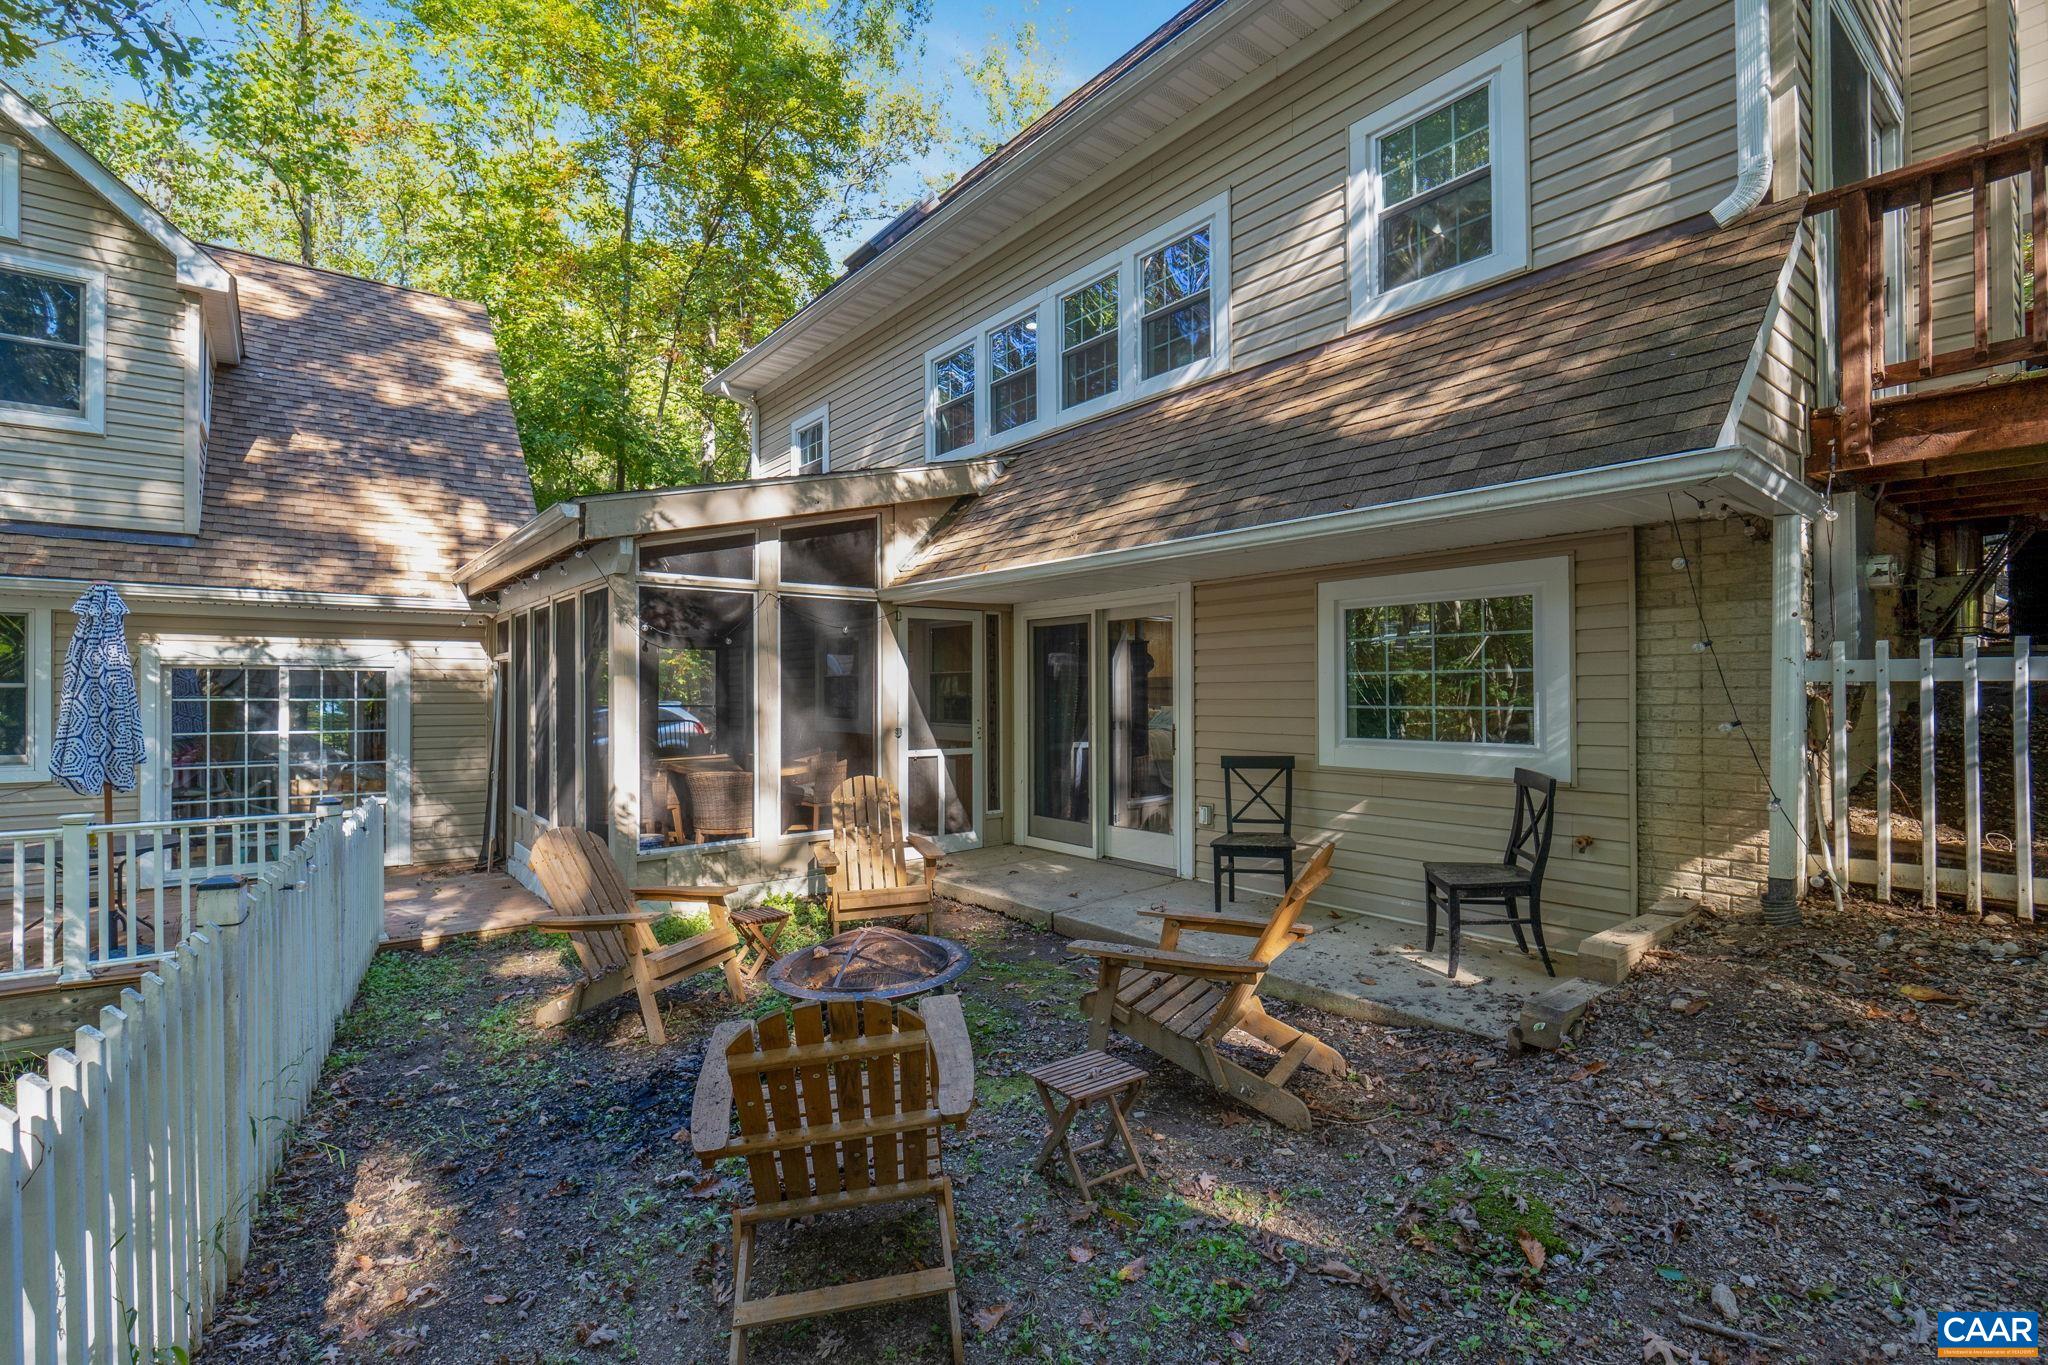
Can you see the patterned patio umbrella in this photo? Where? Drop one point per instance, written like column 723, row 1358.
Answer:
column 99, row 719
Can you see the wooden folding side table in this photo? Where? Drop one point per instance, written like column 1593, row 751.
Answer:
column 758, row 927
column 1067, row 1087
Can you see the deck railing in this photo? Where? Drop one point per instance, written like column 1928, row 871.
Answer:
column 1912, row 193
column 86, row 894
column 132, row 1163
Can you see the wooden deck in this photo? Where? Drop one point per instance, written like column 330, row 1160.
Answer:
column 426, row 906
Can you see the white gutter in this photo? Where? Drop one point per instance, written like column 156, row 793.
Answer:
column 1783, row 491
column 538, row 525
column 1755, row 165
column 277, row 597
column 750, row 403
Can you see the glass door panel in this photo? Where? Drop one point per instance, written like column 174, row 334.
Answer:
column 1057, row 666
column 943, row 738
column 1143, row 738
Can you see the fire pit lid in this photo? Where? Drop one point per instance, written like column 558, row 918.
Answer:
column 870, row 963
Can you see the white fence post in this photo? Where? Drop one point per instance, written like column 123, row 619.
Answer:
column 76, row 900
column 1930, row 813
column 2022, row 777
column 1884, row 772
column 1973, row 782
column 13, row 1286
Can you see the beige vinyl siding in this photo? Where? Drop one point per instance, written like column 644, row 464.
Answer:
column 132, row 475
column 1631, row 126
column 1255, row 692
column 2032, row 18
column 450, row 718
column 1959, row 78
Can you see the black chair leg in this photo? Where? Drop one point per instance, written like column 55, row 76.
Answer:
column 1429, row 900
column 1515, row 923
column 1233, row 881
column 1451, row 969
column 1286, row 871
column 1221, row 863
column 1536, row 928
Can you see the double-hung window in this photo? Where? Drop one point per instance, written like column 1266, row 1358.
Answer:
column 1175, row 320
column 52, row 343
column 808, row 442
column 1013, row 374
column 1464, row 671
column 1148, row 317
column 1439, row 194
column 1088, row 351
column 952, row 396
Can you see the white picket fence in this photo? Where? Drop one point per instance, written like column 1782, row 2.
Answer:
column 85, row 894
column 1974, row 671
column 130, row 1168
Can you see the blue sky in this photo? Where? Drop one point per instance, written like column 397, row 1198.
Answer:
column 1083, row 38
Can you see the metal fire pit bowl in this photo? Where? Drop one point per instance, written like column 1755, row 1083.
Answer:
column 869, row 963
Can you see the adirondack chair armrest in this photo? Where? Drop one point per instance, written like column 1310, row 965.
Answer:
column 1204, row 922
column 711, row 1110
column 570, row 924
column 706, row 894
column 1172, row 960
column 924, row 848
column 945, row 1024
column 826, row 859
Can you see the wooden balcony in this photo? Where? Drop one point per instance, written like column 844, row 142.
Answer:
column 1956, row 433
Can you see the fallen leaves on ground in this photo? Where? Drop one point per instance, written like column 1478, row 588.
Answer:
column 987, row 1319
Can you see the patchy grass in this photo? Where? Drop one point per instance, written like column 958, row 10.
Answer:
column 1501, row 1201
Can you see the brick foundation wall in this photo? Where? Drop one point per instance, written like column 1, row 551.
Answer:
column 1701, row 803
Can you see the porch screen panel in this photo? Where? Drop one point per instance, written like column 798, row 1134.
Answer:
column 543, row 686
column 597, row 710
column 515, row 702
column 696, row 715
column 992, row 711
column 828, row 703
column 566, row 673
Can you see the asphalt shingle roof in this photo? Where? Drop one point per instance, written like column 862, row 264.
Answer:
column 1628, row 353
column 365, row 444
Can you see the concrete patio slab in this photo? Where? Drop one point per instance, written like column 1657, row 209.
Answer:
column 1352, row 965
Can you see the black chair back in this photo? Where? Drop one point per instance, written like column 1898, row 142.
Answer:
column 1248, row 798
column 1529, row 839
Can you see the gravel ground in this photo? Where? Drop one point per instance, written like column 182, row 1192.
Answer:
column 1770, row 1145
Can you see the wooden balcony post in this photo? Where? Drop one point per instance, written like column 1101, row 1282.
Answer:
column 1980, row 258
column 2037, row 187
column 1852, row 320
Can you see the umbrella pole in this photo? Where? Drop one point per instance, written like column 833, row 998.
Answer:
column 106, row 803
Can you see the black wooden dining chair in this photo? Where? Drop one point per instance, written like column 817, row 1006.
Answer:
column 1257, row 824
column 1515, row 880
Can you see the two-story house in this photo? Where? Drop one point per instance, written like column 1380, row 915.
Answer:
column 281, row 469
column 1419, row 391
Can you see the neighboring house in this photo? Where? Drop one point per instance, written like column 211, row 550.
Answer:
column 1421, row 391
column 281, row 469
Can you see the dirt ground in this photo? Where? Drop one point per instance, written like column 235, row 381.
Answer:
column 1771, row 1145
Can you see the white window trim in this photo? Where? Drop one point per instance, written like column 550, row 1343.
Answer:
column 1504, row 69
column 1123, row 263
column 158, row 655
column 36, row 767
column 10, row 190
column 93, row 419
column 820, row 416
column 1549, row 580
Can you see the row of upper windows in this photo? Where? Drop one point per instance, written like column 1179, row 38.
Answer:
column 1438, row 200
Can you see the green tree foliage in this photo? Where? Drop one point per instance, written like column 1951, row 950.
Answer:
column 112, row 33
column 636, row 189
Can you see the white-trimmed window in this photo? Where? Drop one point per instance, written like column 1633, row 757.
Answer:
column 953, row 400
column 810, row 442
column 10, row 190
column 24, row 693
column 1439, row 190
column 1149, row 317
column 52, row 343
column 1461, row 671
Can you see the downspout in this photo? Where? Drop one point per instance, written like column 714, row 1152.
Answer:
column 1754, row 162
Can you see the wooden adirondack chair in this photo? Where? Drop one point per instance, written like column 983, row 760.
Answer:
column 847, row 1117
column 613, row 937
column 867, row 875
column 1181, row 1005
